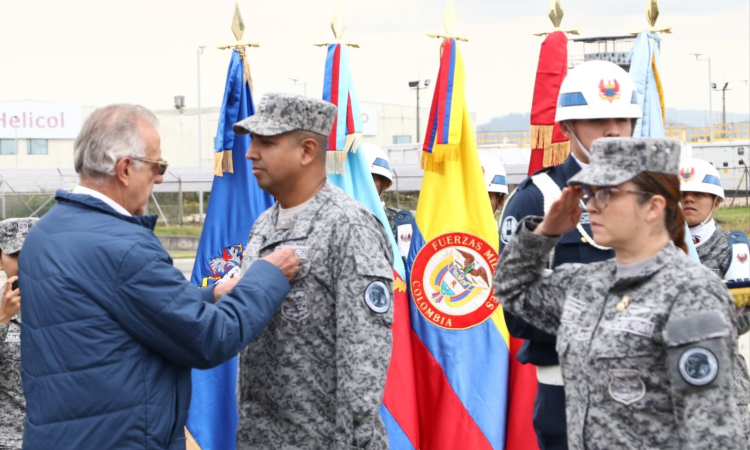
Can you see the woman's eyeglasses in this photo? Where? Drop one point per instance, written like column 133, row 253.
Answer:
column 160, row 165
column 602, row 195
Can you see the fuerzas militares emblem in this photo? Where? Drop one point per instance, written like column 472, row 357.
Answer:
column 451, row 281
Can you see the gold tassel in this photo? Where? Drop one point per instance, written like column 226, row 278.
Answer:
column 741, row 297
column 190, row 443
column 430, row 163
column 335, row 162
column 218, row 164
column 660, row 89
column 246, row 76
column 541, row 136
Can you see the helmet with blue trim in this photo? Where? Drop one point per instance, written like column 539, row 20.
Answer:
column 378, row 161
column 494, row 174
column 597, row 90
column 697, row 175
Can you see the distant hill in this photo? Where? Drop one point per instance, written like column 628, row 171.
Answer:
column 690, row 117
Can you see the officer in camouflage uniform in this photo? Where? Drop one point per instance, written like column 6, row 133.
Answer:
column 702, row 193
column 646, row 340
column 12, row 403
column 314, row 379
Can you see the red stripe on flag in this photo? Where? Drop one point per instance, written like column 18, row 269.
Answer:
column 445, row 424
column 522, row 386
column 535, row 163
column 444, row 77
column 400, row 388
column 335, row 95
column 349, row 116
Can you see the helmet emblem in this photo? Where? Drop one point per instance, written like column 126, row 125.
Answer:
column 687, row 174
column 609, row 91
column 742, row 258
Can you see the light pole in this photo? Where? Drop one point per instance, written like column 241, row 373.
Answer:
column 723, row 100
column 200, row 139
column 418, row 85
column 710, row 97
column 297, row 82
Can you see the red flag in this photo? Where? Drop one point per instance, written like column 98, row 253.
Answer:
column 549, row 145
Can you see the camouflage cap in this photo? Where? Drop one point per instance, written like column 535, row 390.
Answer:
column 617, row 160
column 13, row 232
column 281, row 113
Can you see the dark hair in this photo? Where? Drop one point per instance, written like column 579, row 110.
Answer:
column 668, row 186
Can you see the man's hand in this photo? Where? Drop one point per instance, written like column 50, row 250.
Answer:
column 286, row 260
column 10, row 303
column 563, row 215
column 224, row 287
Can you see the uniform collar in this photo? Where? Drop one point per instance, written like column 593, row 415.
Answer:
column 93, row 203
column 632, row 273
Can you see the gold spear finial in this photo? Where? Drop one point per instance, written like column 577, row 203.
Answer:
column 238, row 29
column 338, row 26
column 449, row 23
column 556, row 14
column 652, row 13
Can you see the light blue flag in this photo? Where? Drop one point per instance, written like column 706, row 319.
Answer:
column 645, row 64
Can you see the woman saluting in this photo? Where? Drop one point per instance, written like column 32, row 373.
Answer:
column 645, row 340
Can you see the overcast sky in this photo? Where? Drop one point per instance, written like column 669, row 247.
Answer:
column 97, row 52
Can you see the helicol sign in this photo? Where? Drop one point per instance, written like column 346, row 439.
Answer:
column 32, row 120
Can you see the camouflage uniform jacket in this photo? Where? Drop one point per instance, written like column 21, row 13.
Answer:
column 12, row 401
column 634, row 345
column 390, row 213
column 314, row 378
column 715, row 253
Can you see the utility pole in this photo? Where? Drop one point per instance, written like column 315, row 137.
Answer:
column 418, row 85
column 723, row 107
column 710, row 97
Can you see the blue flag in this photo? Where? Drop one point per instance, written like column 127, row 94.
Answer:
column 236, row 202
column 645, row 61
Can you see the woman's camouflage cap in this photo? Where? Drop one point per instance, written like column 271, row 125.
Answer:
column 617, row 160
column 13, row 232
column 281, row 113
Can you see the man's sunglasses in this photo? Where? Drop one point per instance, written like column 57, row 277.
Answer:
column 161, row 165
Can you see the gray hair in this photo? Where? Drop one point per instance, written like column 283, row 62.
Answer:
column 110, row 134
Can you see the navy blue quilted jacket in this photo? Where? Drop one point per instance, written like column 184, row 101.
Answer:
column 111, row 330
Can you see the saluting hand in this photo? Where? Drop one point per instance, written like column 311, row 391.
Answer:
column 10, row 303
column 285, row 259
column 563, row 215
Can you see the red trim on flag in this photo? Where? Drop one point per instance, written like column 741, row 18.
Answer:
column 335, row 96
column 400, row 388
column 522, row 386
column 445, row 422
column 536, row 162
column 349, row 116
column 444, row 78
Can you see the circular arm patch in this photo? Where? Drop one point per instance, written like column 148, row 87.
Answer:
column 698, row 366
column 377, row 297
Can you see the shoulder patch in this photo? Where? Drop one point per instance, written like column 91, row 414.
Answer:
column 698, row 366
column 508, row 228
column 377, row 297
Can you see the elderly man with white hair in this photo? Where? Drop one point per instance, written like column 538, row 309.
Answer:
column 110, row 328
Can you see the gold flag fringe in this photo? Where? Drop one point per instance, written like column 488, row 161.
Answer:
column 190, row 443
column 335, row 162
column 541, row 136
column 441, row 153
column 247, row 77
column 660, row 89
column 556, row 154
column 741, row 297
column 223, row 163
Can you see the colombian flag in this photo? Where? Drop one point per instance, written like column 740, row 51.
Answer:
column 459, row 338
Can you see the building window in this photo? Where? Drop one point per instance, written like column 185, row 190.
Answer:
column 7, row 146
column 402, row 139
column 740, row 151
column 38, row 147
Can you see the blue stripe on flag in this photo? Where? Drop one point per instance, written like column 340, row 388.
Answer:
column 397, row 439
column 449, row 95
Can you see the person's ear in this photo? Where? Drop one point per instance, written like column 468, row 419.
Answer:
column 124, row 170
column 717, row 203
column 309, row 150
column 656, row 206
column 565, row 131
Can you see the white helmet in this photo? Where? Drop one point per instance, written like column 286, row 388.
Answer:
column 697, row 175
column 378, row 161
column 597, row 90
column 494, row 174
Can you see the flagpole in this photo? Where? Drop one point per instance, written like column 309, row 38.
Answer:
column 200, row 138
